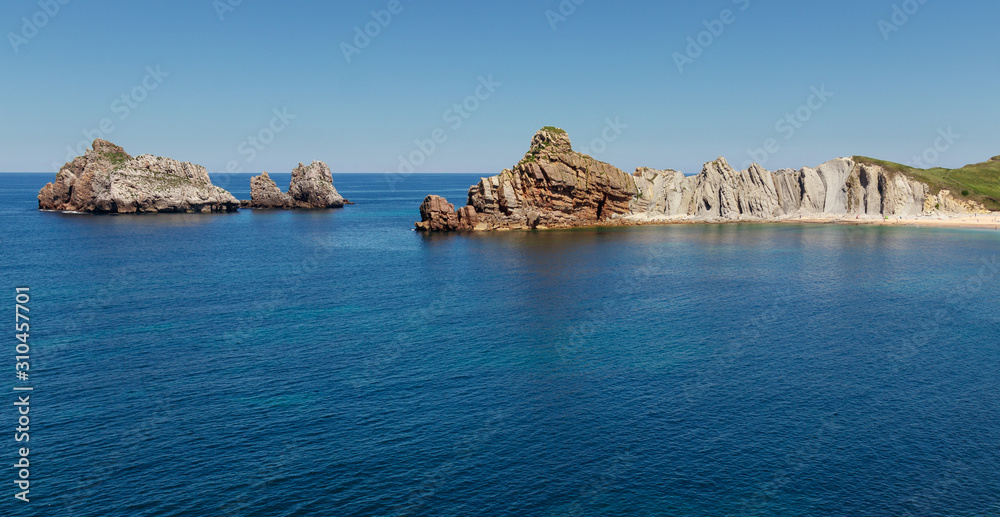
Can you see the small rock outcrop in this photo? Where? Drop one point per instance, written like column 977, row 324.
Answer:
column 264, row 193
column 437, row 215
column 108, row 180
column 552, row 186
column 311, row 187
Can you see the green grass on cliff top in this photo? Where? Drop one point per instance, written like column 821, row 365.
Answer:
column 553, row 129
column 980, row 180
column 117, row 159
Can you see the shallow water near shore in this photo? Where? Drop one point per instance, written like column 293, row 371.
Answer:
column 339, row 363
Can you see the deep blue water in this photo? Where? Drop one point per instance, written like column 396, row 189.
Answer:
column 339, row 364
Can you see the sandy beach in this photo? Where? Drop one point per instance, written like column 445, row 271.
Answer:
column 981, row 221
column 990, row 221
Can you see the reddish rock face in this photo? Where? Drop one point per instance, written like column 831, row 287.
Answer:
column 438, row 215
column 551, row 186
column 467, row 217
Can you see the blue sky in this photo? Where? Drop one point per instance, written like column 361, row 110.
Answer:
column 222, row 72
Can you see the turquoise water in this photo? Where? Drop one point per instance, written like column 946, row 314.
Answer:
column 337, row 363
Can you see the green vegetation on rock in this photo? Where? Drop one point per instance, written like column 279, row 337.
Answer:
column 116, row 158
column 978, row 182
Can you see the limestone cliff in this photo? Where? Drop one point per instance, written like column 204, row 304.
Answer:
column 666, row 192
column 108, row 180
column 839, row 187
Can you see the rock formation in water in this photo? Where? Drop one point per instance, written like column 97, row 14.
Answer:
column 264, row 193
column 310, row 188
column 108, row 180
column 438, row 215
column 554, row 186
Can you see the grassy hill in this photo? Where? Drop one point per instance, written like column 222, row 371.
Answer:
column 979, row 182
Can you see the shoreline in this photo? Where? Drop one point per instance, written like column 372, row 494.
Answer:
column 989, row 221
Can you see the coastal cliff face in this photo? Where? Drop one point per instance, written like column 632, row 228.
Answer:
column 553, row 186
column 109, row 180
column 838, row 187
column 311, row 187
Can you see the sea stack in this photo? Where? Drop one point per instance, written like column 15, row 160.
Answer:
column 108, row 180
column 311, row 188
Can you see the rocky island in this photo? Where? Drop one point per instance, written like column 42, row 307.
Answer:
column 310, row 188
column 554, row 186
column 108, row 180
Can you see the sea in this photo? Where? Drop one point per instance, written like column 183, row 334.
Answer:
column 337, row 363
